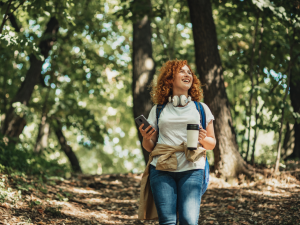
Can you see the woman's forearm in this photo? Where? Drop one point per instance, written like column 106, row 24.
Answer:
column 208, row 143
column 148, row 144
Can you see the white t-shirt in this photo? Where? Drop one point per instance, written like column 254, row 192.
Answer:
column 172, row 124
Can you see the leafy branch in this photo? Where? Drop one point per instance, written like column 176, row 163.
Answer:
column 7, row 16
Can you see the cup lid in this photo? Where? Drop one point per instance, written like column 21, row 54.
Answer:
column 192, row 127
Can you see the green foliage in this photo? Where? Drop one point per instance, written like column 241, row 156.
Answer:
column 55, row 211
column 87, row 75
column 13, row 159
column 7, row 194
column 87, row 79
column 34, row 203
column 267, row 60
column 135, row 10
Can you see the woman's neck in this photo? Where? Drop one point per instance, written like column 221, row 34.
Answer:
column 178, row 93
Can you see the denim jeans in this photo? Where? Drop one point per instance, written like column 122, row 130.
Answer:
column 177, row 191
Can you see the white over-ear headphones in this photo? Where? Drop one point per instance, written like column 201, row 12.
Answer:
column 181, row 100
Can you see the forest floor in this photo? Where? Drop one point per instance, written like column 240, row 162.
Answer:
column 113, row 199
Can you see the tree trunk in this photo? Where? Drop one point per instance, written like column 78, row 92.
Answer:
column 44, row 128
column 228, row 161
column 252, row 86
column 42, row 138
column 294, row 95
column 14, row 23
column 287, row 137
column 143, row 67
column 67, row 148
column 257, row 83
column 14, row 124
column 276, row 170
column 282, row 119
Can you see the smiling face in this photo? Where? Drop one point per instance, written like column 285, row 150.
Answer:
column 183, row 81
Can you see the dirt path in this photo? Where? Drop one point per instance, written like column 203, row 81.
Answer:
column 113, row 199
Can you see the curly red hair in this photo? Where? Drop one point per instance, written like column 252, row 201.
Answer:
column 164, row 85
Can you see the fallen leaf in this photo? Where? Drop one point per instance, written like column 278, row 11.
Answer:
column 4, row 205
column 230, row 207
column 41, row 211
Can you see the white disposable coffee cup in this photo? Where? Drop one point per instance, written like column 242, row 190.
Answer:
column 192, row 136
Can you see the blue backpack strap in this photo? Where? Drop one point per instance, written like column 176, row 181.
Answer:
column 159, row 109
column 201, row 110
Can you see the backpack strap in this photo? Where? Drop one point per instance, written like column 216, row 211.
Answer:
column 159, row 109
column 201, row 111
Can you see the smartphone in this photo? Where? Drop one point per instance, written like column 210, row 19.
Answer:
column 141, row 119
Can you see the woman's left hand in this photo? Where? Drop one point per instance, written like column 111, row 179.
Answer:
column 207, row 137
column 202, row 134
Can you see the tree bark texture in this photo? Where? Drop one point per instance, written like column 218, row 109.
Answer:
column 14, row 124
column 42, row 139
column 294, row 95
column 252, row 86
column 67, row 149
column 256, row 130
column 44, row 128
column 143, row 68
column 286, row 140
column 228, row 161
column 282, row 119
column 14, row 23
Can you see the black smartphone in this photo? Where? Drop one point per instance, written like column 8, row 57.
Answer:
column 141, row 119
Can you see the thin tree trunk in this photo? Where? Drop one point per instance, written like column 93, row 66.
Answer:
column 280, row 130
column 257, row 83
column 283, row 108
column 294, row 95
column 14, row 124
column 270, row 93
column 228, row 161
column 14, row 23
column 67, row 149
column 252, row 86
column 287, row 137
column 143, row 67
column 44, row 127
column 255, row 135
column 4, row 84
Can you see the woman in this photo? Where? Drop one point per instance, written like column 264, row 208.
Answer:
column 175, row 188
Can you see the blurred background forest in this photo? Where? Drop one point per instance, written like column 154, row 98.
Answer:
column 70, row 71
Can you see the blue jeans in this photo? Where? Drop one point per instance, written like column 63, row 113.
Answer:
column 177, row 191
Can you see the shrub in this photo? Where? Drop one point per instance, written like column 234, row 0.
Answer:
column 25, row 161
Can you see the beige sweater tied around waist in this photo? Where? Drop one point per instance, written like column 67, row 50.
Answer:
column 166, row 162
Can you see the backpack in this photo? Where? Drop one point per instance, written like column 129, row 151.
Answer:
column 201, row 111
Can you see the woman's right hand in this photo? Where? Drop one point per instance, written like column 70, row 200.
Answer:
column 144, row 133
